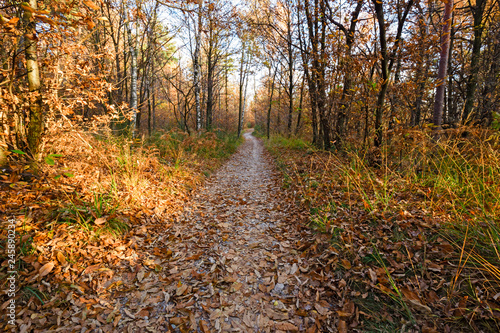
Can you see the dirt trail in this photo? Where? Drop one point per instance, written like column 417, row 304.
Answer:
column 231, row 265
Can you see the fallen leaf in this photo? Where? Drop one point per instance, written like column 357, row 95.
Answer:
column 91, row 5
column 60, row 257
column 46, row 269
column 204, row 327
column 285, row 326
column 178, row 320
column 181, row 289
column 100, row 221
column 342, row 326
column 140, row 274
column 236, row 286
column 321, row 310
column 346, row 264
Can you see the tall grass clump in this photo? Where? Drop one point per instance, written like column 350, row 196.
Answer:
column 431, row 208
column 456, row 179
column 291, row 142
column 143, row 174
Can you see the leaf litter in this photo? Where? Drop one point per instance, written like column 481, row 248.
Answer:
column 233, row 259
column 228, row 262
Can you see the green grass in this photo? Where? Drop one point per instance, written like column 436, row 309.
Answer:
column 289, row 143
column 173, row 145
column 83, row 214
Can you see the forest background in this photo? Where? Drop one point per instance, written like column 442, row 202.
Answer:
column 383, row 117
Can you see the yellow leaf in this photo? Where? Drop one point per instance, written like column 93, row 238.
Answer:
column 13, row 21
column 45, row 19
column 27, row 7
column 3, row 20
column 91, row 5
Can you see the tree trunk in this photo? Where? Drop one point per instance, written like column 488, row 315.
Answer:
column 241, row 91
column 386, row 62
column 148, row 94
column 443, row 65
column 271, row 91
column 478, row 13
column 301, row 100
column 153, row 111
column 379, row 10
column 36, row 117
column 451, row 109
column 133, row 79
column 346, row 90
column 210, row 84
column 290, row 76
column 196, row 70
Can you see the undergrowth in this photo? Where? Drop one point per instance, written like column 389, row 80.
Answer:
column 430, row 212
column 146, row 174
column 85, row 177
column 79, row 206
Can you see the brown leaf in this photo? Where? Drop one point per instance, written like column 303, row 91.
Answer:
column 204, row 327
column 178, row 320
column 427, row 329
column 45, row 269
column 100, row 221
column 373, row 276
column 342, row 326
column 181, row 289
column 140, row 274
column 321, row 310
column 419, row 306
column 343, row 313
column 346, row 264
column 91, row 269
column 284, row 326
column 236, row 286
column 248, row 320
column 60, row 257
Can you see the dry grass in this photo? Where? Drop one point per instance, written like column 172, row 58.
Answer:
column 431, row 212
column 151, row 175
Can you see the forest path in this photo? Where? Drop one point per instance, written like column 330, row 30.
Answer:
column 232, row 265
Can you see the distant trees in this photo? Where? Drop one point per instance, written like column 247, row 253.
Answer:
column 116, row 61
column 373, row 67
column 339, row 73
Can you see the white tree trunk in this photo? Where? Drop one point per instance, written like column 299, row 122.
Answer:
column 133, row 78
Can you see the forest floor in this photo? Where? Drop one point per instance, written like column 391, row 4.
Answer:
column 232, row 258
column 416, row 250
column 233, row 265
column 256, row 248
